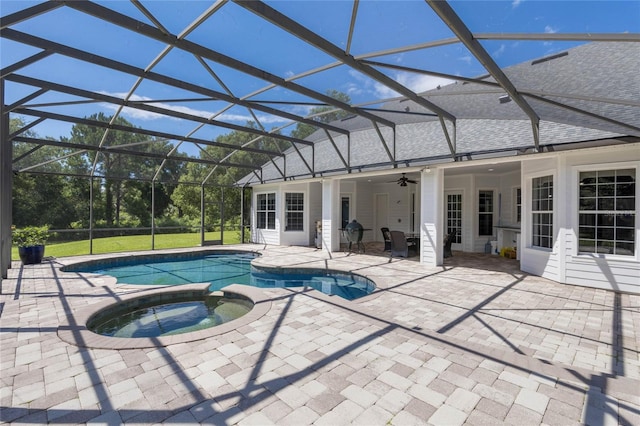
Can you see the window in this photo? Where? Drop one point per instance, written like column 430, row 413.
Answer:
column 266, row 211
column 294, row 211
column 518, row 204
column 607, row 212
column 412, row 213
column 345, row 212
column 542, row 212
column 454, row 216
column 485, row 213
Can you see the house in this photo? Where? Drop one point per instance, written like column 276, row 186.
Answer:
column 562, row 193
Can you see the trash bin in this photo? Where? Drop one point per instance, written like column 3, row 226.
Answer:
column 494, row 247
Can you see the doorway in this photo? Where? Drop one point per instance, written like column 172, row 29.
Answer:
column 453, row 217
column 345, row 210
column 345, row 214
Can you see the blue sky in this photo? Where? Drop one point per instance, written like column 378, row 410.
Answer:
column 233, row 31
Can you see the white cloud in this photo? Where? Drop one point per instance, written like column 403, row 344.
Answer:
column 381, row 91
column 497, row 53
column 416, row 83
column 139, row 114
column 466, row 59
column 516, row 3
column 548, row 29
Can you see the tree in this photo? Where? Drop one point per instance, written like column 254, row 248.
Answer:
column 303, row 130
column 220, row 180
column 38, row 198
column 124, row 173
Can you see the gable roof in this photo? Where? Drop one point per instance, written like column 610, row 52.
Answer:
column 587, row 93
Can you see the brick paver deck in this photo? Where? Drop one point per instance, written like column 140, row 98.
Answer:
column 473, row 342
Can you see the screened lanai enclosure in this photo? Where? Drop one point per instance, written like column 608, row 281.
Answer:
column 159, row 117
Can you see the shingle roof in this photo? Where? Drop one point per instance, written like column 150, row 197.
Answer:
column 598, row 78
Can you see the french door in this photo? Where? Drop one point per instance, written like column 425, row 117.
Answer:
column 453, row 217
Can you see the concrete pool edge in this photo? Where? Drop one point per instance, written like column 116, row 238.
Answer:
column 264, row 260
column 78, row 334
column 110, row 259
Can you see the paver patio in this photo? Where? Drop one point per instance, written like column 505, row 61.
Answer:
column 473, row 342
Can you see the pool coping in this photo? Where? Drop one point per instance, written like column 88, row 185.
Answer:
column 261, row 261
column 78, row 334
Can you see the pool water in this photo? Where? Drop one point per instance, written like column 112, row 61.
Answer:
column 335, row 284
column 156, row 318
column 224, row 269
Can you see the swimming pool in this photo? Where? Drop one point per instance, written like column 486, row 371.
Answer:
column 223, row 268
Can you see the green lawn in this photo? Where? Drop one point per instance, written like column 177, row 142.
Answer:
column 131, row 243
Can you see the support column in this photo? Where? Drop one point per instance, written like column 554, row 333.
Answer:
column 6, row 186
column 222, row 218
column 331, row 215
column 153, row 215
column 563, row 183
column 432, row 216
column 91, row 197
column 242, row 214
column 202, row 215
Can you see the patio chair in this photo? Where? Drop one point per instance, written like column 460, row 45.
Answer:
column 447, row 243
column 399, row 244
column 387, row 238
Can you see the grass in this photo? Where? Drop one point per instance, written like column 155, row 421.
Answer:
column 131, row 243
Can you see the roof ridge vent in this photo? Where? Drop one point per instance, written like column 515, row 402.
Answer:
column 549, row 58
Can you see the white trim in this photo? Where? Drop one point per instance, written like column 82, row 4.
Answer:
column 464, row 227
column 554, row 191
column 514, row 204
column 575, row 209
column 494, row 212
column 305, row 208
column 528, row 232
column 275, row 225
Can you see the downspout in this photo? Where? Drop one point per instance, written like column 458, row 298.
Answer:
column 242, row 195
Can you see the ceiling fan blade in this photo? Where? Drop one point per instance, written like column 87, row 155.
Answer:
column 402, row 180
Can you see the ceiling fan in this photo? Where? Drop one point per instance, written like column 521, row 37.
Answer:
column 403, row 180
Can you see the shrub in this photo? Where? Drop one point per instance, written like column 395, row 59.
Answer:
column 30, row 236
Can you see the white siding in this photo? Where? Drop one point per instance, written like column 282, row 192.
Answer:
column 363, row 202
column 540, row 262
column 314, row 209
column 535, row 260
column 265, row 236
column 399, row 214
column 561, row 263
column 508, row 183
column 432, row 212
column 330, row 215
column 601, row 271
column 293, row 238
column 463, row 184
